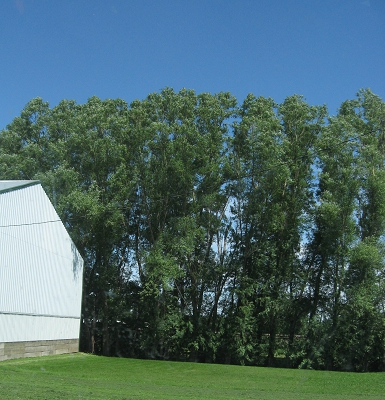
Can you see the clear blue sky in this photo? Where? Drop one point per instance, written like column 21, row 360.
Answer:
column 325, row 50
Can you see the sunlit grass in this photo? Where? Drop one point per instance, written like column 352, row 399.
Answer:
column 84, row 376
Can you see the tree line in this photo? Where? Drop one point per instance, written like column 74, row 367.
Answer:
column 215, row 231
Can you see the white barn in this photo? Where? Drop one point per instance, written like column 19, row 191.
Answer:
column 41, row 274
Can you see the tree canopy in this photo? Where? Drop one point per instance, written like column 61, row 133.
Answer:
column 215, row 231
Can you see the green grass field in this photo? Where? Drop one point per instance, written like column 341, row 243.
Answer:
column 84, row 376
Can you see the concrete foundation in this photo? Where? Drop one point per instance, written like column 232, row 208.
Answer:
column 10, row 350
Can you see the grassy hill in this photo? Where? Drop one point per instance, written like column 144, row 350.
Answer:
column 84, row 376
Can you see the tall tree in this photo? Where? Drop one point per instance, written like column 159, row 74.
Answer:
column 181, row 202
column 275, row 150
column 333, row 236
column 365, row 281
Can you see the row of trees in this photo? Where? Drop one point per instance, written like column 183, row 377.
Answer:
column 219, row 232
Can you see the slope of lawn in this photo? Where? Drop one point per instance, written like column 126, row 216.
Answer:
column 84, row 376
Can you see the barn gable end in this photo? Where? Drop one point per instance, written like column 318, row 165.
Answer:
column 41, row 275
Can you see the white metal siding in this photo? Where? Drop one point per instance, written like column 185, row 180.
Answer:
column 40, row 269
column 26, row 328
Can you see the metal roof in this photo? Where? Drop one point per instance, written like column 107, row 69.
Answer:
column 8, row 186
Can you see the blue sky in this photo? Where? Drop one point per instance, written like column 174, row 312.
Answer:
column 325, row 50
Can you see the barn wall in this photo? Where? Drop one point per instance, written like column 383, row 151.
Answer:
column 22, row 328
column 40, row 271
